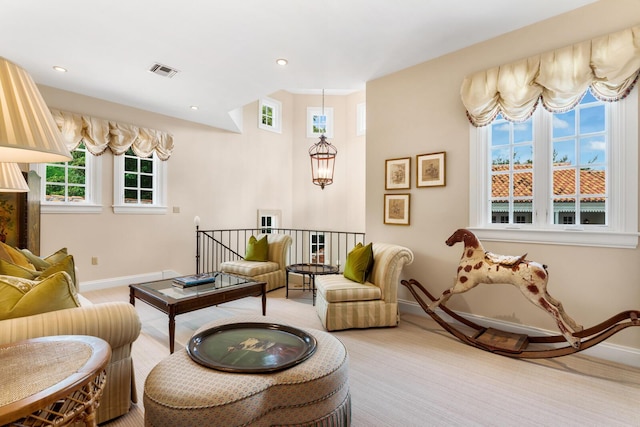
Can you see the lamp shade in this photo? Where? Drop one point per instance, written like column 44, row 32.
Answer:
column 11, row 179
column 28, row 133
column 323, row 157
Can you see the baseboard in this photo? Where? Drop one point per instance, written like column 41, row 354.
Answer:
column 94, row 285
column 607, row 351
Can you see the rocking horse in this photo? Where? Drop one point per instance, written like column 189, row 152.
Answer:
column 478, row 266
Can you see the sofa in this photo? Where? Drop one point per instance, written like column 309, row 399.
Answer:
column 272, row 271
column 115, row 322
column 346, row 304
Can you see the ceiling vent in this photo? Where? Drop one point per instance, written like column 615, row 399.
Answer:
column 163, row 70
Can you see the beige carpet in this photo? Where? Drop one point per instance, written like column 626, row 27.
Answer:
column 418, row 375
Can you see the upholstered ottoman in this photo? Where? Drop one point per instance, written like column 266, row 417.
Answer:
column 181, row 392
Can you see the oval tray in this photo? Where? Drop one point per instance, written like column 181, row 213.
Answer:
column 251, row 347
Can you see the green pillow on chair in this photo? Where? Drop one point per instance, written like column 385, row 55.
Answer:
column 257, row 250
column 359, row 263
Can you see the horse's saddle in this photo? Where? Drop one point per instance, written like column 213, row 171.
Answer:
column 507, row 260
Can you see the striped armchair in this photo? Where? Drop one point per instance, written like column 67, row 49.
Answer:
column 345, row 304
column 272, row 271
column 115, row 322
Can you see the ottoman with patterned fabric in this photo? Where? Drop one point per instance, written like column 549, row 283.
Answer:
column 181, row 392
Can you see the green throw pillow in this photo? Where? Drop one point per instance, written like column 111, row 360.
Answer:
column 66, row 264
column 257, row 250
column 359, row 263
column 22, row 297
column 38, row 263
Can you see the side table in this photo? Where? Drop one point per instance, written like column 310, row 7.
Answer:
column 311, row 270
column 52, row 381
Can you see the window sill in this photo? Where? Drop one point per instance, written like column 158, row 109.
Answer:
column 570, row 236
column 70, row 208
column 142, row 210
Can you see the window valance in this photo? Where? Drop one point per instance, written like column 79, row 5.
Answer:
column 608, row 65
column 100, row 134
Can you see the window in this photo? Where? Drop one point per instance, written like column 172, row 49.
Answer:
column 361, row 119
column 270, row 115
column 71, row 186
column 317, row 248
column 319, row 122
column 139, row 184
column 567, row 178
column 268, row 219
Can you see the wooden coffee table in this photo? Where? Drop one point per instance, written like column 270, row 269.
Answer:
column 173, row 300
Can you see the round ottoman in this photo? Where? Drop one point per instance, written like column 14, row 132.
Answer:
column 181, row 392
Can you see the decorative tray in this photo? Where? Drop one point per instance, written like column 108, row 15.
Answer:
column 251, row 347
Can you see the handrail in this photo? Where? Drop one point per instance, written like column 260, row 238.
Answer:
column 308, row 246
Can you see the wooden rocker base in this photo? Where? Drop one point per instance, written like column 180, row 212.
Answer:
column 517, row 345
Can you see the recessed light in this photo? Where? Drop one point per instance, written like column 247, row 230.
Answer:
column 59, row 69
column 194, row 107
column 282, row 61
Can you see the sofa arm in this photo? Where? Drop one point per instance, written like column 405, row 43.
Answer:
column 115, row 322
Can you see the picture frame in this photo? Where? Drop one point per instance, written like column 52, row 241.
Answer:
column 430, row 169
column 319, row 123
column 397, row 209
column 20, row 216
column 397, row 174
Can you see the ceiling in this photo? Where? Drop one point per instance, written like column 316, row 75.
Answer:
column 225, row 50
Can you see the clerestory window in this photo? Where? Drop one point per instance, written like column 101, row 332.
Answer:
column 270, row 115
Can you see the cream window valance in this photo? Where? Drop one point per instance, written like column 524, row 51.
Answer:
column 100, row 134
column 609, row 65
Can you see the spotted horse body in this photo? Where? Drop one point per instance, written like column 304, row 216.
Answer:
column 478, row 266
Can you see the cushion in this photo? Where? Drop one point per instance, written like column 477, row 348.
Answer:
column 17, row 257
column 22, row 297
column 38, row 263
column 57, row 256
column 359, row 263
column 66, row 264
column 257, row 250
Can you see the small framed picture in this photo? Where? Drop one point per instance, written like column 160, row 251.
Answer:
column 396, row 209
column 430, row 169
column 398, row 174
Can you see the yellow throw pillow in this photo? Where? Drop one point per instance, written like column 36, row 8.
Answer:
column 17, row 257
column 257, row 250
column 22, row 297
column 11, row 269
column 359, row 263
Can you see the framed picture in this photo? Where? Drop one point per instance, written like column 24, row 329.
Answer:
column 398, row 174
column 319, row 123
column 396, row 209
column 430, row 169
column 20, row 216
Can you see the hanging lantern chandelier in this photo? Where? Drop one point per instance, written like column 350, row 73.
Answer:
column 323, row 157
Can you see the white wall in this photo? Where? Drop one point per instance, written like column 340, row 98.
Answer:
column 418, row 110
column 222, row 177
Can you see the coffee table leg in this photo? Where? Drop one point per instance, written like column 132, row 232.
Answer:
column 172, row 329
column 264, row 299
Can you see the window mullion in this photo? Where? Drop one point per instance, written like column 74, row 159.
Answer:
column 542, row 170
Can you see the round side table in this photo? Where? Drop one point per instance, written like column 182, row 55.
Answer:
column 311, row 270
column 52, row 381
